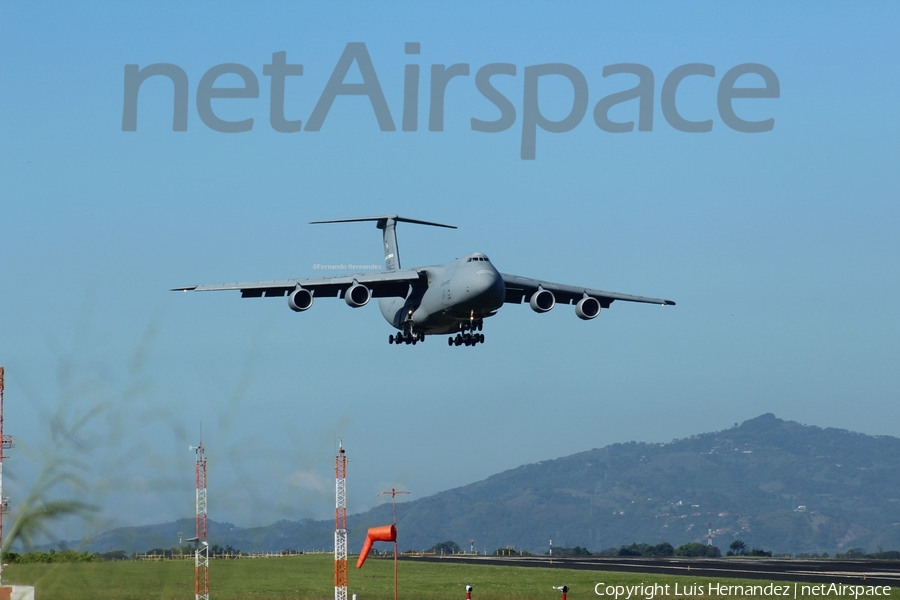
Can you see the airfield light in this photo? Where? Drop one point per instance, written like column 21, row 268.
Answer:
column 468, row 592
column 563, row 589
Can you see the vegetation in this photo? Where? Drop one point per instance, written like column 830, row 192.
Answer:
column 576, row 551
column 737, row 548
column 854, row 553
column 663, row 549
column 696, row 549
column 311, row 576
column 52, row 556
column 447, row 547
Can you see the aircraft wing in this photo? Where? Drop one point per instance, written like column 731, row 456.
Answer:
column 383, row 284
column 521, row 288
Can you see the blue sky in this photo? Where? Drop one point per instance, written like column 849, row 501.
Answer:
column 780, row 248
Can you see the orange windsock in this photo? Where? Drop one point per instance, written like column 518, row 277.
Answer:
column 385, row 533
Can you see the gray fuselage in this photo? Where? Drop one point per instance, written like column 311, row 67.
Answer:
column 448, row 296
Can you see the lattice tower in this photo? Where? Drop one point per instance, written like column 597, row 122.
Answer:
column 201, row 555
column 340, row 525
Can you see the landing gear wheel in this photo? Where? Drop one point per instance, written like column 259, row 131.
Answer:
column 450, row 341
column 481, row 337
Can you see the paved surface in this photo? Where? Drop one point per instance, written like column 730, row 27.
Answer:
column 872, row 572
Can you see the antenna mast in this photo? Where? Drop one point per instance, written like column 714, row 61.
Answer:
column 340, row 525
column 201, row 554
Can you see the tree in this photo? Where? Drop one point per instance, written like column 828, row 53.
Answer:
column 663, row 549
column 635, row 550
column 737, row 548
column 698, row 549
column 448, row 547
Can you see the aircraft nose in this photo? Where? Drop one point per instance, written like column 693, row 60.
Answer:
column 486, row 283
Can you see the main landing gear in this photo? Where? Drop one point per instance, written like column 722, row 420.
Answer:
column 469, row 337
column 406, row 337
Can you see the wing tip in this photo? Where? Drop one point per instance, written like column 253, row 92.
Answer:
column 189, row 288
column 668, row 303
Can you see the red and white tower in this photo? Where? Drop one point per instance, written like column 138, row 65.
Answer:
column 6, row 442
column 201, row 554
column 340, row 525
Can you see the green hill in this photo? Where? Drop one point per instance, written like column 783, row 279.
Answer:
column 772, row 483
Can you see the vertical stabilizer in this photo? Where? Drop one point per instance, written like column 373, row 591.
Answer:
column 391, row 251
column 388, row 224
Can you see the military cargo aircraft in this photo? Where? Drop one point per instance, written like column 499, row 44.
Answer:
column 453, row 298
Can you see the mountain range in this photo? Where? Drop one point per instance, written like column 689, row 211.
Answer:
column 774, row 484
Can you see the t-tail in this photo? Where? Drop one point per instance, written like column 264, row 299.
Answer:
column 388, row 224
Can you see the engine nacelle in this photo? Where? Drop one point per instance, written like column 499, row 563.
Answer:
column 542, row 301
column 300, row 299
column 587, row 308
column 357, row 295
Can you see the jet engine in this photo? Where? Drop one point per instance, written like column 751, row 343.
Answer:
column 300, row 299
column 542, row 301
column 357, row 295
column 587, row 308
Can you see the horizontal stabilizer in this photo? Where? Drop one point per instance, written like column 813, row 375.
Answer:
column 384, row 219
column 388, row 225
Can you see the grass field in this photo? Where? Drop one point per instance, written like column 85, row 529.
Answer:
column 309, row 577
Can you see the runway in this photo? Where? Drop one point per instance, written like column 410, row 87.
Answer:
column 872, row 572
